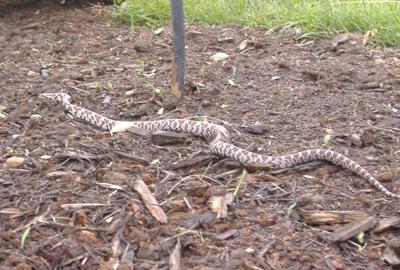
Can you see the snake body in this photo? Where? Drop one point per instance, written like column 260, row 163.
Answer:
column 219, row 138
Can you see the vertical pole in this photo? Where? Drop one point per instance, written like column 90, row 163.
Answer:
column 178, row 48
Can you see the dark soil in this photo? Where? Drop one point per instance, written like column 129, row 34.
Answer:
column 281, row 94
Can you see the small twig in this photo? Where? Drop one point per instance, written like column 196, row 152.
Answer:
column 57, row 224
column 277, row 197
column 80, row 157
column 76, row 88
column 172, row 150
column 33, row 221
column 72, row 260
column 228, row 173
column 134, row 157
column 153, row 97
column 260, row 257
column 110, row 186
column 82, row 205
column 15, row 170
column 188, row 232
column 392, row 129
column 168, row 175
column 199, row 176
column 191, row 161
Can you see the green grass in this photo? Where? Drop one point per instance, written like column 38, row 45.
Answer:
column 315, row 18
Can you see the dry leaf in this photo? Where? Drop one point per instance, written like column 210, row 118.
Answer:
column 219, row 56
column 243, row 45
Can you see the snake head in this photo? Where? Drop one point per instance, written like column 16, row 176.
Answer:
column 60, row 97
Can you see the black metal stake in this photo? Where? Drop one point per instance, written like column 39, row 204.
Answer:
column 178, row 47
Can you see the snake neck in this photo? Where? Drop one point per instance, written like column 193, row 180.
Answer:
column 91, row 117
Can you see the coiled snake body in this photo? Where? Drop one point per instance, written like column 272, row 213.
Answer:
column 219, row 137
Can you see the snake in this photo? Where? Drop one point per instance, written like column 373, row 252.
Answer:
column 219, row 141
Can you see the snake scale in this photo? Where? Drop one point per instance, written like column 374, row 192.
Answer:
column 219, row 138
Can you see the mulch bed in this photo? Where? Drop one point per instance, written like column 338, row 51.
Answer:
column 75, row 187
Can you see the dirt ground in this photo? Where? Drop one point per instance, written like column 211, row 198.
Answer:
column 72, row 185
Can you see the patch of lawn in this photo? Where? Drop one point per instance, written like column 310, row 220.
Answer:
column 315, row 18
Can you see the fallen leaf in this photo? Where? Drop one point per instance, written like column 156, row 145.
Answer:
column 219, row 56
column 243, row 45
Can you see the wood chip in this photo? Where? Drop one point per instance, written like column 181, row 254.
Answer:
column 391, row 257
column 312, row 75
column 280, row 64
column 191, row 162
column 394, row 243
column 175, row 258
column 167, row 138
column 127, row 259
column 370, row 86
column 4, row 182
column 151, row 203
column 257, row 129
column 376, row 117
column 194, row 221
column 31, row 26
column 119, row 222
column 13, row 162
column 226, row 40
column 138, row 159
column 227, row 234
column 143, row 47
column 115, row 178
column 34, row 121
column 335, row 263
column 387, row 223
column 356, row 140
column 218, row 205
column 67, row 175
column 350, row 230
column 11, row 211
column 331, row 217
